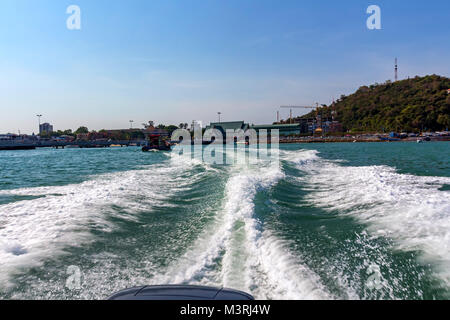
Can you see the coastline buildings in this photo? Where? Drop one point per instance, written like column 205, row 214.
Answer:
column 17, row 137
column 284, row 129
column 11, row 141
column 301, row 127
column 232, row 125
column 45, row 128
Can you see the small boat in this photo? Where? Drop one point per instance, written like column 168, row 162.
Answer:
column 156, row 143
column 419, row 141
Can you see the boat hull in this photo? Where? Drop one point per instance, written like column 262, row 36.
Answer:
column 5, row 148
column 154, row 149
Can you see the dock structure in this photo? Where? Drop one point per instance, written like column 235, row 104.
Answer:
column 31, row 145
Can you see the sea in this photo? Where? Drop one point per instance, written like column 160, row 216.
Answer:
column 332, row 221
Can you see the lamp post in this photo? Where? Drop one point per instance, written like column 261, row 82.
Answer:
column 131, row 124
column 219, row 113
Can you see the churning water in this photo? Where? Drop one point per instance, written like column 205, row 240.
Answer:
column 332, row 221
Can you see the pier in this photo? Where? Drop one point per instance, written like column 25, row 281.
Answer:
column 31, row 145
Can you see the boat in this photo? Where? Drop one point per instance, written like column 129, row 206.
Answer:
column 156, row 143
column 14, row 142
column 16, row 147
column 180, row 292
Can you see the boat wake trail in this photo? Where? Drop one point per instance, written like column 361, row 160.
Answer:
column 237, row 251
column 410, row 210
column 302, row 228
column 61, row 217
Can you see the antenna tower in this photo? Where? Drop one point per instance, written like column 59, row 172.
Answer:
column 396, row 70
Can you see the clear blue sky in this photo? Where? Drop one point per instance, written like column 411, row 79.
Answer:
column 173, row 61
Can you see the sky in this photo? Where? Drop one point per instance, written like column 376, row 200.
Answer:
column 174, row 61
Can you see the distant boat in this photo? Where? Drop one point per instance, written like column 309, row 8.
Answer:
column 156, row 143
column 17, row 144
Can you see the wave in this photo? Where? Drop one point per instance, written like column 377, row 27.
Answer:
column 409, row 209
column 237, row 252
column 64, row 216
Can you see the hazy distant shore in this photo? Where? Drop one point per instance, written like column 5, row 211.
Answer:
column 356, row 139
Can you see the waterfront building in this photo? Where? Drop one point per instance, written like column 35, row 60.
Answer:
column 45, row 128
column 232, row 125
column 17, row 137
column 10, row 137
column 284, row 129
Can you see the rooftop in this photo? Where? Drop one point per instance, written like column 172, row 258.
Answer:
column 232, row 125
column 276, row 126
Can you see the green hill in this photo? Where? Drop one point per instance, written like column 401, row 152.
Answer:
column 417, row 104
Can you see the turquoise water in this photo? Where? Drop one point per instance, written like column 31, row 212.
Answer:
column 328, row 221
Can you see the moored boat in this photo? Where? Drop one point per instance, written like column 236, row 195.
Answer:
column 156, row 143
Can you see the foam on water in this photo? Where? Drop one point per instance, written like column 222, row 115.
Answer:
column 409, row 209
column 237, row 252
column 34, row 230
column 236, row 249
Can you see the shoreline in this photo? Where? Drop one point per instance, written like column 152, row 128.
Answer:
column 356, row 140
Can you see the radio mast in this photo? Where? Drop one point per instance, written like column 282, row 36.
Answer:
column 396, row 70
